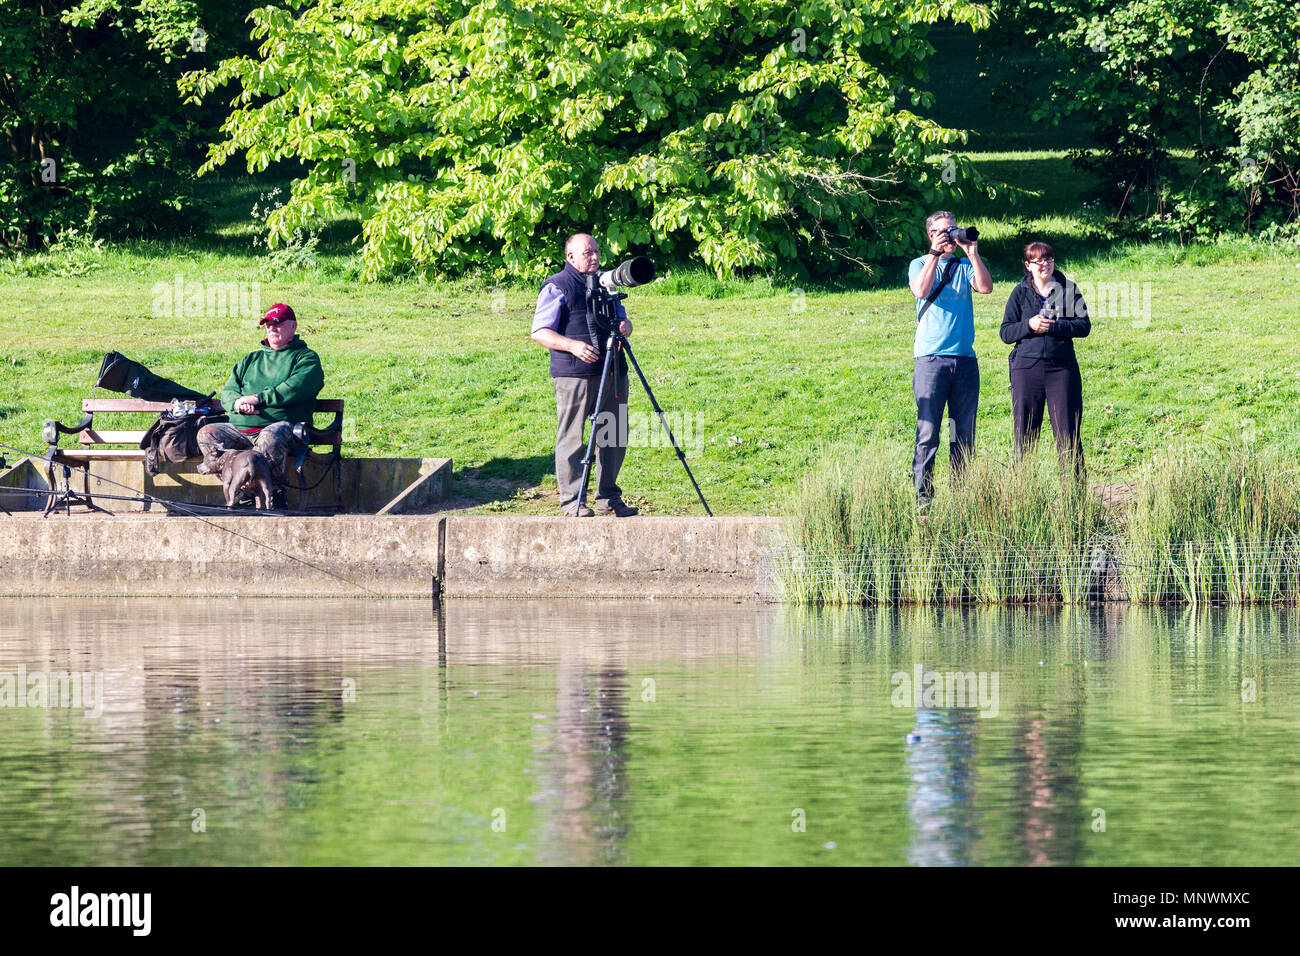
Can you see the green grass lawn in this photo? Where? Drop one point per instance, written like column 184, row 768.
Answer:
column 771, row 373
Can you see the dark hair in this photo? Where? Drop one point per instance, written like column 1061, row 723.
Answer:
column 1035, row 250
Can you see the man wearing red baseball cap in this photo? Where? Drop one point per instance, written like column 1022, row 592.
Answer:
column 269, row 391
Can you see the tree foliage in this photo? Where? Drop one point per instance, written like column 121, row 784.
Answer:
column 1158, row 80
column 1264, row 110
column 755, row 134
column 95, row 134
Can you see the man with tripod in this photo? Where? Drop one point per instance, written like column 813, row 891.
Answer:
column 562, row 323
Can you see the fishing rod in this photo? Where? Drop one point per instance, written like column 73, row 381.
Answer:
column 233, row 510
column 187, row 511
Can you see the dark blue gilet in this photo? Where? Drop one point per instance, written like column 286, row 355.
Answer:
column 575, row 325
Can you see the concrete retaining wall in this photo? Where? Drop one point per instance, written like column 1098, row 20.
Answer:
column 631, row 557
column 391, row 555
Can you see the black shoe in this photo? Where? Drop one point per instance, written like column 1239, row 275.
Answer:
column 618, row 508
column 245, row 500
column 279, row 500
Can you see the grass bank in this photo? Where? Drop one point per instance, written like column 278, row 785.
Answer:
column 763, row 372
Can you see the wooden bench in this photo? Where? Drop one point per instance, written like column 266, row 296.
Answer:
column 93, row 442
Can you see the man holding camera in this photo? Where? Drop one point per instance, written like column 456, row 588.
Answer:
column 564, row 324
column 945, row 373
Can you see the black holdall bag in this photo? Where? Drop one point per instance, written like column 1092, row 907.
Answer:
column 118, row 373
column 174, row 436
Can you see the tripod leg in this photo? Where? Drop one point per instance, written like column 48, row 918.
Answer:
column 681, row 456
column 595, row 414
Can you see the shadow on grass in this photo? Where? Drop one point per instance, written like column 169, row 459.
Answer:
column 502, row 479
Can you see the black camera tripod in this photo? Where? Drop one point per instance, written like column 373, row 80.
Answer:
column 602, row 306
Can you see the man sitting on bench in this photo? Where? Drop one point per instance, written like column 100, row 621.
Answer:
column 269, row 391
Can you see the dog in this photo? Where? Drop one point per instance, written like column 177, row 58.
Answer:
column 245, row 471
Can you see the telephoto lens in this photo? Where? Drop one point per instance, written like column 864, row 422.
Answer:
column 963, row 234
column 637, row 271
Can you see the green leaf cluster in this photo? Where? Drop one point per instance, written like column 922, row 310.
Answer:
column 750, row 135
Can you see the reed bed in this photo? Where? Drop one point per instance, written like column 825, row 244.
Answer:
column 1208, row 527
column 1009, row 532
column 1204, row 526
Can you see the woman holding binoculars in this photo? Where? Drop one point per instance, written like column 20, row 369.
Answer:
column 1043, row 317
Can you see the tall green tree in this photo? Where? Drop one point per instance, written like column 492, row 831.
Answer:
column 1158, row 81
column 1264, row 110
column 750, row 134
column 96, row 136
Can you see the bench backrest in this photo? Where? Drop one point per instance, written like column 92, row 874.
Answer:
column 331, row 435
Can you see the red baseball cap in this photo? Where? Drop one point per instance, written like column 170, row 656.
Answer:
column 278, row 313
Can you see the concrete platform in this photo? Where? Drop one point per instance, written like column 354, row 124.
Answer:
column 385, row 555
column 368, row 485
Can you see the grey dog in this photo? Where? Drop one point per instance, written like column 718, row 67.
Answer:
column 245, row 470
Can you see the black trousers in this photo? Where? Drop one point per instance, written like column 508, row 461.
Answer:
column 1058, row 385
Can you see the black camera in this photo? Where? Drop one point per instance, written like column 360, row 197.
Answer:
column 958, row 234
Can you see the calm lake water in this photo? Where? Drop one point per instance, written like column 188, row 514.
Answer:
column 529, row 732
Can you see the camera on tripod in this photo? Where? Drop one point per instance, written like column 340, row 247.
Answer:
column 602, row 289
column 603, row 297
column 635, row 271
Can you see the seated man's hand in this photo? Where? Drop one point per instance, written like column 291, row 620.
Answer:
column 625, row 328
column 247, row 404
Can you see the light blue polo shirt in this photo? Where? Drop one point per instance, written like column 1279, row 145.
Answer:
column 948, row 327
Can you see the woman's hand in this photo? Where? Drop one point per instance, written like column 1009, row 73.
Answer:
column 1041, row 324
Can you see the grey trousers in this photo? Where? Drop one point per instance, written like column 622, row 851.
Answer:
column 275, row 441
column 938, row 381
column 575, row 401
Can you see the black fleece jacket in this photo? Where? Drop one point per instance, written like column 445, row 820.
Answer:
column 1072, row 321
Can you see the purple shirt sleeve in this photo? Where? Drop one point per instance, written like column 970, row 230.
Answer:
column 550, row 302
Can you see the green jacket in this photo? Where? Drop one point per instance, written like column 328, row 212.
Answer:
column 287, row 380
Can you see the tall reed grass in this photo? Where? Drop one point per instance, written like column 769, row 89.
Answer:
column 1007, row 532
column 1216, row 525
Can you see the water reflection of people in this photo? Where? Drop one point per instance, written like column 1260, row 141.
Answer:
column 1048, row 797
column 1048, row 792
column 586, row 780
column 940, row 803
